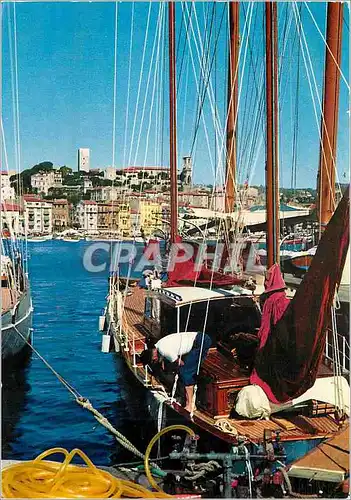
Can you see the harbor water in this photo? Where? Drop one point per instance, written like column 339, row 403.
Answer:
column 38, row 412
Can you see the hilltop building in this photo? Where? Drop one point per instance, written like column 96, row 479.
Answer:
column 83, row 160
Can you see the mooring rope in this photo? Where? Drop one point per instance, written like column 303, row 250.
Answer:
column 85, row 403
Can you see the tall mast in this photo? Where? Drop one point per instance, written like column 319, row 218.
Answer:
column 172, row 123
column 232, row 105
column 272, row 172
column 327, row 166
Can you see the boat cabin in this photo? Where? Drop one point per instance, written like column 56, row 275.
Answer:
column 231, row 318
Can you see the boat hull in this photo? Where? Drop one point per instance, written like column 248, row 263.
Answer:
column 163, row 412
column 20, row 318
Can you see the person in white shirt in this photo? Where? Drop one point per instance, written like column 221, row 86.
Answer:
column 187, row 350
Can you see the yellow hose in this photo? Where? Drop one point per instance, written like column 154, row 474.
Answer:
column 148, row 451
column 40, row 478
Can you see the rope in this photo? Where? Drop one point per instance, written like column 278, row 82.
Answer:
column 85, row 403
column 224, row 425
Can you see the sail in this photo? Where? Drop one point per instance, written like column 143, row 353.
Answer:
column 185, row 270
column 286, row 364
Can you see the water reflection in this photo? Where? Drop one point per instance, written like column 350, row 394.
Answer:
column 15, row 389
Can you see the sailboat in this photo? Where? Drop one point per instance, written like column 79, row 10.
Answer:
column 223, row 306
column 16, row 301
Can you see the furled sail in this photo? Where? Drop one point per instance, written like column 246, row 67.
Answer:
column 287, row 362
column 187, row 269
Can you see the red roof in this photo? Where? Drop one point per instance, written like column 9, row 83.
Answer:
column 89, row 202
column 31, row 197
column 4, row 172
column 10, row 207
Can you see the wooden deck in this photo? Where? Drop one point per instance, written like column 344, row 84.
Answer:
column 9, row 298
column 225, row 377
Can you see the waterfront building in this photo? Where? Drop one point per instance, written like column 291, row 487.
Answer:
column 87, row 215
column 150, row 216
column 7, row 192
column 37, row 215
column 83, row 160
column 11, row 217
column 60, row 214
column 124, row 219
column 107, row 217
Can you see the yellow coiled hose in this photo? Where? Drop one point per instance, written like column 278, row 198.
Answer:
column 41, row 478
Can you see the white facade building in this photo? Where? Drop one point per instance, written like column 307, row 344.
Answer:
column 83, row 160
column 43, row 181
column 87, row 185
column 7, row 192
column 37, row 216
column 110, row 173
column 87, row 215
column 11, row 218
column 105, row 193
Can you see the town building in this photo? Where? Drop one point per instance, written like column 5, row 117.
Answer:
column 87, row 215
column 105, row 194
column 107, row 217
column 124, row 220
column 186, row 175
column 60, row 214
column 83, row 160
column 87, row 185
column 7, row 192
column 150, row 216
column 37, row 215
column 110, row 173
column 12, row 218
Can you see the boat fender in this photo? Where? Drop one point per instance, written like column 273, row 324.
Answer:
column 102, row 323
column 105, row 345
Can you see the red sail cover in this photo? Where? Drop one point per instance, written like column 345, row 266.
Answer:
column 287, row 362
column 188, row 272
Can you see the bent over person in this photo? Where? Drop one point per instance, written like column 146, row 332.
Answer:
column 187, row 350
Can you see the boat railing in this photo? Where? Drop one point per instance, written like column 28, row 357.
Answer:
column 343, row 351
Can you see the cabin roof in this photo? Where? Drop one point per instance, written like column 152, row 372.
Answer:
column 181, row 295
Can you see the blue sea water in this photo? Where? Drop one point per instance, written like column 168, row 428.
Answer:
column 37, row 410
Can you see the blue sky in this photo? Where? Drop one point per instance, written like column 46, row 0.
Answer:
column 65, row 60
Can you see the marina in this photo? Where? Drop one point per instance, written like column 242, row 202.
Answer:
column 194, row 341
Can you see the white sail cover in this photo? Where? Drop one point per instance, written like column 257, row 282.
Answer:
column 252, row 401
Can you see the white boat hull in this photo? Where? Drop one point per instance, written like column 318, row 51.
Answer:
column 19, row 318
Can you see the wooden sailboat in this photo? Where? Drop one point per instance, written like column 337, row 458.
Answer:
column 138, row 320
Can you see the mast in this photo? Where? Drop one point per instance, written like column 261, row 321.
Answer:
column 329, row 125
column 232, row 106
column 172, row 123
column 272, row 172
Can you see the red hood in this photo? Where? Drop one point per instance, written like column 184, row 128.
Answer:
column 274, row 279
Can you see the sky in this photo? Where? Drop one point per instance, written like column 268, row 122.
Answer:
column 66, row 71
